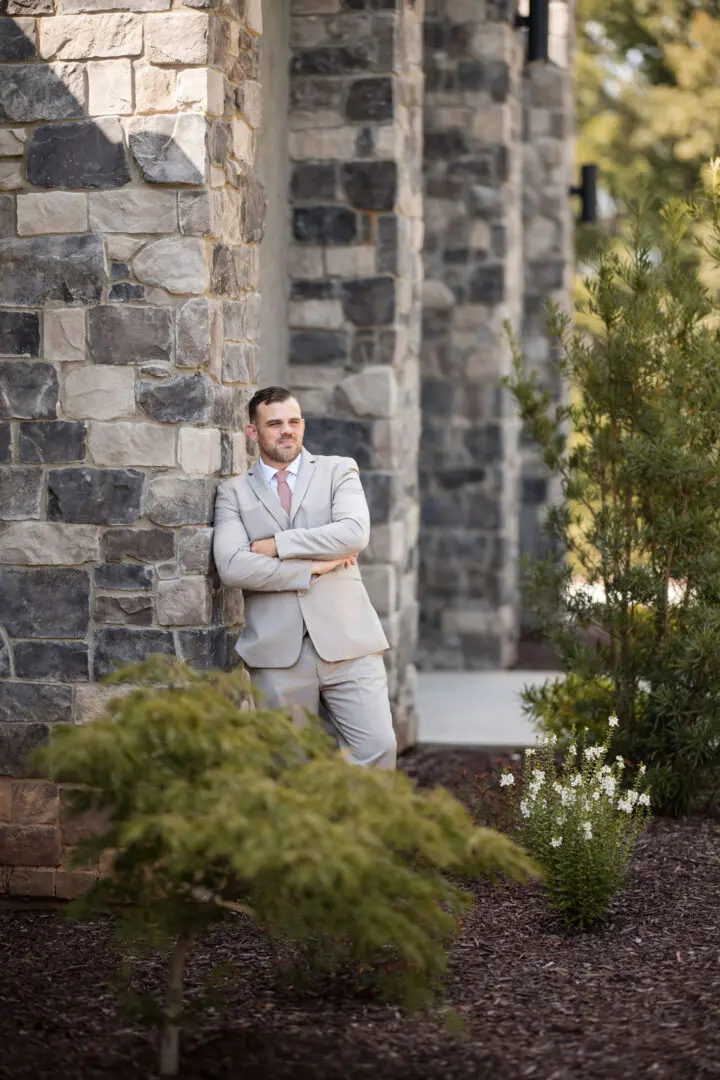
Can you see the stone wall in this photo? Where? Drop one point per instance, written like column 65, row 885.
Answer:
column 130, row 219
column 356, row 194
column 469, row 458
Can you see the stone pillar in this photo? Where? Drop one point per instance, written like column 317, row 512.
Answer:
column 469, row 458
column 548, row 212
column 355, row 147
column 130, row 221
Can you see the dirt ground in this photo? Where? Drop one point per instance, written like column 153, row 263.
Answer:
column 637, row 998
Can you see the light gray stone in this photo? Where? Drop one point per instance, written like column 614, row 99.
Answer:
column 12, row 177
column 123, row 443
column 133, row 210
column 154, row 89
column 170, row 149
column 175, row 500
column 52, row 212
column 194, row 327
column 12, row 142
column 20, row 493
column 199, row 450
column 195, row 550
column 178, row 264
column 110, row 88
column 38, row 543
column 183, row 602
column 179, row 38
column 98, row 393
column 79, row 37
column 238, row 362
column 64, row 335
column 373, row 392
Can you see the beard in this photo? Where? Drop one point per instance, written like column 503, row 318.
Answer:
column 284, row 452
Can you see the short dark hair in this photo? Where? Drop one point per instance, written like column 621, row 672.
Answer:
column 269, row 395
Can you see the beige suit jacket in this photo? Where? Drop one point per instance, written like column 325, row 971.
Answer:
column 328, row 519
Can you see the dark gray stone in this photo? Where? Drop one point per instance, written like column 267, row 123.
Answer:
column 437, row 398
column 314, row 180
column 19, row 333
column 318, row 347
column 124, row 610
column 123, row 576
column 195, row 550
column 50, row 602
column 497, row 80
column 14, row 42
column 348, row 438
column 116, row 646
column 544, row 275
column 158, row 150
column 387, row 244
column 484, row 202
column 378, row 487
column 370, row 185
column 188, row 398
column 7, row 216
column 66, row 268
column 120, row 271
column 485, row 443
column 194, row 213
column 5, row 442
column 470, row 74
column 145, row 545
column 85, row 155
column 39, row 92
column 20, row 495
column 310, row 94
column 28, row 390
column 120, row 334
column 231, row 272
column 534, row 490
column 25, row 702
column 325, row 225
column 440, row 508
column 369, row 301
column 487, row 284
column 341, row 60
column 54, row 441
column 63, row 662
column 484, row 512
column 95, row 496
column 17, row 742
column 370, row 99
column 204, row 648
column 126, row 290
column 312, row 290
column 194, row 333
column 4, row 658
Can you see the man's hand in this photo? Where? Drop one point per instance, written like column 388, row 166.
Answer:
column 265, row 547
column 324, row 566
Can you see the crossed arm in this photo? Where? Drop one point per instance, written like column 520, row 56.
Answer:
column 287, row 561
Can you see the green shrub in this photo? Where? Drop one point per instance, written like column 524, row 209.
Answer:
column 579, row 824
column 637, row 455
column 213, row 805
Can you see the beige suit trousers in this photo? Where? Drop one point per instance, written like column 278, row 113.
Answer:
column 353, row 694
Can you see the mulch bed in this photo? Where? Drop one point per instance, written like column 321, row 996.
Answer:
column 638, row 998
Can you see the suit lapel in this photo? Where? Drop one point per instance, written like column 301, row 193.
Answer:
column 305, row 475
column 267, row 497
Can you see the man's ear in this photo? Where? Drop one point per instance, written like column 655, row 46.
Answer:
column 251, row 432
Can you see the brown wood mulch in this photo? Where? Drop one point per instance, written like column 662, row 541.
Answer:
column 637, row 998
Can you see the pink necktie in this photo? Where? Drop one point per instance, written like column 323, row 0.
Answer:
column 283, row 490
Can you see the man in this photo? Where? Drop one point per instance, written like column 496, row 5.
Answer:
column 288, row 532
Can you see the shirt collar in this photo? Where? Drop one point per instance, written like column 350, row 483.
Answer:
column 269, row 471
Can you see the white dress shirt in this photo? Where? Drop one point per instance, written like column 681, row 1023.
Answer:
column 270, row 474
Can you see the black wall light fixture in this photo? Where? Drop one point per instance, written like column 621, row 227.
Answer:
column 537, row 24
column 587, row 190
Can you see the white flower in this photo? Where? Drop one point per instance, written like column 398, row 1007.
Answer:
column 621, row 761
column 525, row 808
column 607, row 783
column 587, row 830
column 529, row 752
column 560, row 819
column 507, row 780
column 592, row 752
column 644, row 799
column 605, row 770
column 626, row 805
column 539, row 775
column 632, row 797
column 613, row 721
column 557, row 786
column 567, row 797
column 596, row 795
column 576, row 780
column 642, row 770
column 556, row 841
column 572, row 749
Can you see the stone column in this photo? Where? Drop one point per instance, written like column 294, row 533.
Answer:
column 355, row 146
column 129, row 228
column 469, row 458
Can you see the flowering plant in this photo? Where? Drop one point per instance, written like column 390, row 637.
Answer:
column 579, row 823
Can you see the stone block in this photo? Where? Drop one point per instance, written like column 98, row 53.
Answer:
column 238, row 362
column 319, row 347
column 194, row 326
column 325, row 225
column 188, row 398
column 194, row 212
column 81, row 155
column 178, row 264
column 70, row 884
column 116, row 646
column 174, row 500
column 12, row 142
column 17, row 741
column 60, row 661
column 29, row 845
column 124, row 610
column 81, row 37
column 48, row 602
column 5, row 799
column 19, row 333
column 81, row 6
column 7, row 216
column 154, row 89
column 369, row 301
column 64, row 335
column 67, row 268
column 199, row 450
column 234, row 271
column 323, row 144
column 110, row 88
column 356, row 261
column 20, row 494
column 381, row 584
column 372, row 392
column 52, row 212
column 370, row 100
column 205, row 648
column 95, row 496
column 5, row 443
column 248, row 100
column 119, row 577
column 195, row 550
column 98, row 393
column 316, row 315
column 31, row 92
column 123, row 334
column 45, row 543
column 201, row 89
column 348, row 438
column 370, row 185
column 181, row 38
column 12, row 177
column 28, row 390
column 183, row 601
column 125, row 443
column 52, row 441
column 17, row 39
column 145, row 545
column 34, row 802
column 241, row 319
column 31, row 881
column 170, row 149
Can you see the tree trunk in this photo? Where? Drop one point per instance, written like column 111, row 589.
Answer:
column 170, row 1039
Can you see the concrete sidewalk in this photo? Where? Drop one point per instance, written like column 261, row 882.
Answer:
column 476, row 708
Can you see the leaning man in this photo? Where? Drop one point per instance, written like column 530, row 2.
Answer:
column 288, row 532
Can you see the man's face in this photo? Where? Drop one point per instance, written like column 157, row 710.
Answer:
column 278, row 430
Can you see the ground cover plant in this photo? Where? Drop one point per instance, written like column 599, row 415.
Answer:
column 630, row 597
column 213, row 806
